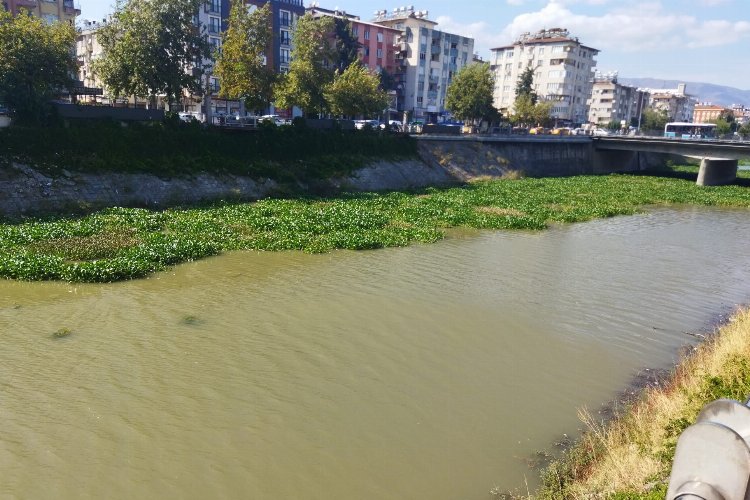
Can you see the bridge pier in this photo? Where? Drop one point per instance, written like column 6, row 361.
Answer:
column 717, row 172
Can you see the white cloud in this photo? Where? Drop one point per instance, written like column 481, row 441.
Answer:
column 713, row 3
column 637, row 27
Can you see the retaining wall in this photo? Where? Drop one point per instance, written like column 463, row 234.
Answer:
column 444, row 161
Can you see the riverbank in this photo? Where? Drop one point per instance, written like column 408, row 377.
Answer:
column 117, row 244
column 631, row 456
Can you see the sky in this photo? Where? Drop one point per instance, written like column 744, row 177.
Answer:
column 688, row 40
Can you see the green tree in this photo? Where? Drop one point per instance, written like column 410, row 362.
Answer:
column 614, row 125
column 346, row 44
column 526, row 112
column 653, row 120
column 723, row 127
column 35, row 63
column 744, row 130
column 469, row 96
column 151, row 48
column 241, row 65
column 525, row 85
column 356, row 91
column 311, row 68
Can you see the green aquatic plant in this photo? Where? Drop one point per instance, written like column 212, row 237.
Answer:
column 62, row 333
column 118, row 243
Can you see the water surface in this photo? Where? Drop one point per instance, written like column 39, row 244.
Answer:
column 427, row 372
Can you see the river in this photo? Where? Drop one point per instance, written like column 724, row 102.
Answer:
column 428, row 372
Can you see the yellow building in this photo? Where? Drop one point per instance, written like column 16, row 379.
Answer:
column 49, row 10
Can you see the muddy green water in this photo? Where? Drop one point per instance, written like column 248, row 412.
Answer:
column 429, row 372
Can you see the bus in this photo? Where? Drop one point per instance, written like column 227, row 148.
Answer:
column 684, row 130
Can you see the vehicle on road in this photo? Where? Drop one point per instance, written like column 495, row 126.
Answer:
column 685, row 130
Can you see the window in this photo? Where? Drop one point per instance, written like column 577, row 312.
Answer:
column 420, row 100
column 214, row 25
column 284, row 56
column 557, row 48
column 284, row 37
column 50, row 18
column 541, row 50
column 284, row 18
column 508, row 67
column 422, row 56
column 367, row 34
column 380, row 53
column 213, row 6
column 506, row 88
column 509, row 54
column 380, row 37
column 215, row 43
column 367, row 51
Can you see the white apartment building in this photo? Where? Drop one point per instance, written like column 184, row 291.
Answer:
column 427, row 59
column 612, row 101
column 678, row 104
column 563, row 72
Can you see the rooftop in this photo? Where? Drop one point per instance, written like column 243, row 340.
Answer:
column 552, row 35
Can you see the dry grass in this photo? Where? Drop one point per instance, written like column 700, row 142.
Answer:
column 634, row 452
column 506, row 212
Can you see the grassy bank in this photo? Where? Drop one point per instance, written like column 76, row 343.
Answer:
column 118, row 244
column 169, row 149
column 631, row 457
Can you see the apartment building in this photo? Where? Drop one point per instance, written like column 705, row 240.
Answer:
column 284, row 15
column 563, row 72
column 426, row 60
column 705, row 112
column 210, row 15
column 49, row 10
column 611, row 101
column 377, row 43
column 677, row 103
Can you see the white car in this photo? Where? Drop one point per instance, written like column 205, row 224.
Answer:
column 601, row 132
column 275, row 119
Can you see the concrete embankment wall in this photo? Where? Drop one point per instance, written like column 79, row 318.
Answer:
column 443, row 161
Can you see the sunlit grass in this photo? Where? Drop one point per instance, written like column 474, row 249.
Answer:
column 118, row 243
column 631, row 457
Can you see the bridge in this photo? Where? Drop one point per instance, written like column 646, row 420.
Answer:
column 719, row 159
column 550, row 155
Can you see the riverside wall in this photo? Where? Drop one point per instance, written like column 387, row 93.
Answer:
column 443, row 161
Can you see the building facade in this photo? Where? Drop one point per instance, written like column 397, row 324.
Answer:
column 611, row 101
column 677, row 103
column 563, row 72
column 377, row 43
column 426, row 60
column 284, row 15
column 49, row 10
column 705, row 112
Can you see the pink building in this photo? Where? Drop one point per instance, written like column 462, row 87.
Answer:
column 378, row 43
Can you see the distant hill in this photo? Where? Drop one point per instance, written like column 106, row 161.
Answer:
column 704, row 92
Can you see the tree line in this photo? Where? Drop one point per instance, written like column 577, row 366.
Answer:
column 153, row 49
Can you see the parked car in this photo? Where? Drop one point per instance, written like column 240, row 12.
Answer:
column 560, row 131
column 360, row 124
column 276, row 119
column 538, row 131
column 600, row 132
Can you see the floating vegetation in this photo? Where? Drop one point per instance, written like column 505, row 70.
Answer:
column 62, row 333
column 118, row 244
column 190, row 320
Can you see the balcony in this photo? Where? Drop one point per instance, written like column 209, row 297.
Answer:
column 26, row 3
